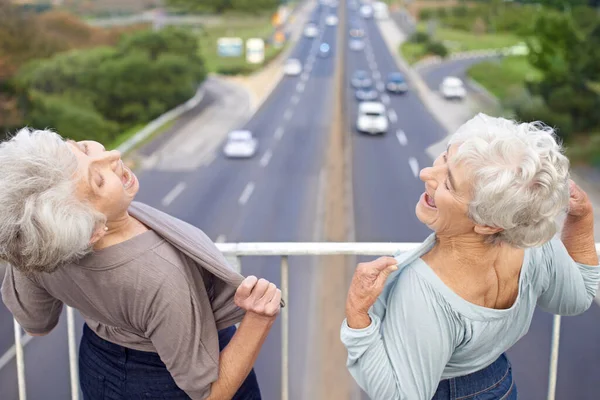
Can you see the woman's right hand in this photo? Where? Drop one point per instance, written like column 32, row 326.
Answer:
column 258, row 296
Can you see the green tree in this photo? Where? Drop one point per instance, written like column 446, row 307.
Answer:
column 569, row 62
column 220, row 6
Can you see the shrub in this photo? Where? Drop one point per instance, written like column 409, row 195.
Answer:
column 437, row 48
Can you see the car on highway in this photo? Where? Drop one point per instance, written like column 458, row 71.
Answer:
column 453, row 88
column 331, row 20
column 372, row 118
column 240, row 144
column 396, row 83
column 357, row 32
column 361, row 79
column 366, row 11
column 356, row 44
column 292, row 67
column 311, row 30
column 324, row 50
column 366, row 93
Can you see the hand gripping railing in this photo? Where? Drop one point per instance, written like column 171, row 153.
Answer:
column 284, row 250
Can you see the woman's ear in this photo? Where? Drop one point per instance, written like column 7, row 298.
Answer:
column 486, row 230
column 98, row 234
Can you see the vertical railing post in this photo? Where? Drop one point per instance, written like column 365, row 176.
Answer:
column 284, row 329
column 20, row 361
column 73, row 367
column 554, row 357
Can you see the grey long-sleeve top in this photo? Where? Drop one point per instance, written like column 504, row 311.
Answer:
column 422, row 332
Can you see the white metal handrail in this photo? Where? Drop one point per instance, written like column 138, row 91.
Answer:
column 283, row 250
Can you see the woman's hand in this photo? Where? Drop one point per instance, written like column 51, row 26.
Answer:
column 579, row 202
column 367, row 284
column 259, row 297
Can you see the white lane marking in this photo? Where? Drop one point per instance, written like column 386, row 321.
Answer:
column 220, row 239
column 209, row 159
column 300, row 87
column 392, row 116
column 266, row 158
column 373, row 65
column 172, row 195
column 304, row 76
column 295, row 99
column 401, row 137
column 380, row 86
column 246, row 193
column 278, row 133
column 376, row 75
column 288, row 114
column 385, row 99
column 414, row 166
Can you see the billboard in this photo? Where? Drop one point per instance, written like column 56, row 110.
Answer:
column 230, row 46
column 255, row 51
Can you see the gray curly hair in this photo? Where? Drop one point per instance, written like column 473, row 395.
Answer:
column 43, row 225
column 520, row 178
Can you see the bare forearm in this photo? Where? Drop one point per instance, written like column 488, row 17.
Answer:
column 238, row 357
column 578, row 238
column 355, row 317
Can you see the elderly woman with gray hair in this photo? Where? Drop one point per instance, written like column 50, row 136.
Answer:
column 434, row 323
column 159, row 300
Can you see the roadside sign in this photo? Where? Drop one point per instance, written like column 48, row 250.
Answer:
column 230, row 46
column 255, row 51
column 278, row 38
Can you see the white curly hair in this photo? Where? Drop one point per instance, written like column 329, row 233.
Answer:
column 520, row 177
column 43, row 224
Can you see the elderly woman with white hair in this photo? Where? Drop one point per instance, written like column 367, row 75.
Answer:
column 159, row 300
column 434, row 323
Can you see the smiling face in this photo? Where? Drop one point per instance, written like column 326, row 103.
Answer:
column 103, row 179
column 444, row 205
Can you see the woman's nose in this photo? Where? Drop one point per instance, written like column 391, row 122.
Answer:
column 426, row 174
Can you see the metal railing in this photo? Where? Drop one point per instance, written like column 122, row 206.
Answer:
column 284, row 250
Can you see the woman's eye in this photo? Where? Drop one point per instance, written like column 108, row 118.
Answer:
column 446, row 184
column 100, row 181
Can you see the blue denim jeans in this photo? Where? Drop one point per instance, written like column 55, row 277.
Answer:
column 108, row 371
column 494, row 382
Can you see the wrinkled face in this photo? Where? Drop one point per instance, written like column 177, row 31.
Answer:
column 103, row 179
column 444, row 205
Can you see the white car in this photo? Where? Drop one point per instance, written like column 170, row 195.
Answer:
column 356, row 45
column 240, row 144
column 311, row 30
column 366, row 11
column 372, row 118
column 292, row 67
column 453, row 88
column 331, row 20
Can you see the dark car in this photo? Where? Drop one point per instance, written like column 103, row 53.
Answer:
column 361, row 79
column 396, row 83
column 366, row 93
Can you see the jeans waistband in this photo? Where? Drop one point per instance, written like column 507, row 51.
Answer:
column 109, row 347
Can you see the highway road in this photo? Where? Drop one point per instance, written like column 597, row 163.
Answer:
column 385, row 168
column 271, row 197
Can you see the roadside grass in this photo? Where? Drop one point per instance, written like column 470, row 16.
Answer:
column 129, row 133
column 504, row 77
column 457, row 41
column 258, row 26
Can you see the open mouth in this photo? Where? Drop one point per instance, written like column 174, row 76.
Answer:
column 429, row 200
column 128, row 177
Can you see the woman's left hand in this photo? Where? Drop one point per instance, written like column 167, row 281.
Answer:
column 579, row 202
column 367, row 284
